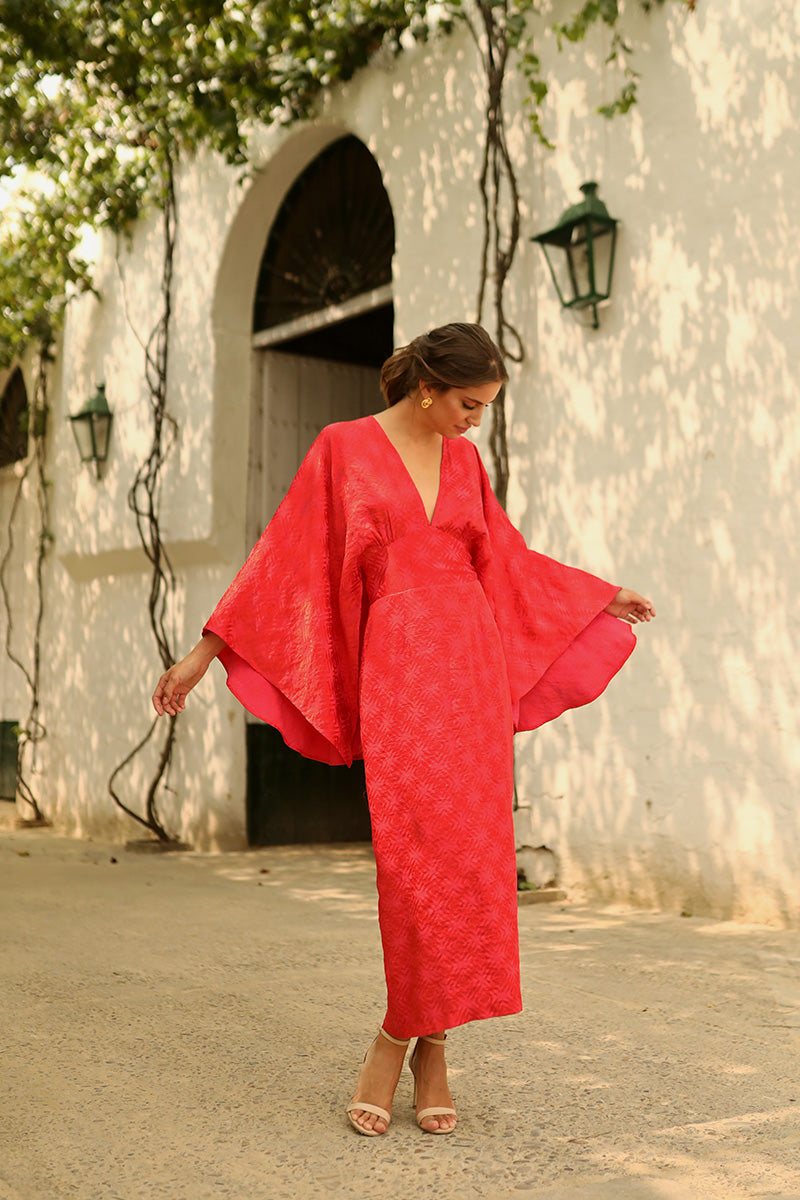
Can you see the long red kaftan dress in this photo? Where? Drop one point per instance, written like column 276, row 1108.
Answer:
column 359, row 627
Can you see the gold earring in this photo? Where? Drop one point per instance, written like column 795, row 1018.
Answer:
column 427, row 401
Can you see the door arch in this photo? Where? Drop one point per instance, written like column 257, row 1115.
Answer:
column 322, row 325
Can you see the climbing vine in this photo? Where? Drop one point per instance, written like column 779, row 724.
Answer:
column 143, row 501
column 496, row 32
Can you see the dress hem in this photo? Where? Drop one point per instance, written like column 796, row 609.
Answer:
column 452, row 1022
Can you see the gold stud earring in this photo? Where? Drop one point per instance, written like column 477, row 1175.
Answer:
column 427, row 401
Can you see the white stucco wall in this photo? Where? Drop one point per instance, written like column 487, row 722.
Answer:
column 659, row 450
column 665, row 454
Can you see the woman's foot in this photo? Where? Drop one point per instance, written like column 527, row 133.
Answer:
column 376, row 1085
column 430, row 1087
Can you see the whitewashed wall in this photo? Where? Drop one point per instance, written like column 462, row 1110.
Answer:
column 660, row 450
column 664, row 451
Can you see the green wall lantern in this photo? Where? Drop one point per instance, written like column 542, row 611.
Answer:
column 92, row 429
column 580, row 253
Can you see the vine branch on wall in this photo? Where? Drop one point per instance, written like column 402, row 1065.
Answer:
column 143, row 500
column 495, row 38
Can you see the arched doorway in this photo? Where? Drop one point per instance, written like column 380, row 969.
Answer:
column 322, row 325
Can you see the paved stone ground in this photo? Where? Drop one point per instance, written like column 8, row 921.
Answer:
column 188, row 1027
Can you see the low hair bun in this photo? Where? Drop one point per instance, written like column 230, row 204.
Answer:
column 455, row 355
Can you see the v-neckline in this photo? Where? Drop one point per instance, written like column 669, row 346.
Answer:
column 409, row 476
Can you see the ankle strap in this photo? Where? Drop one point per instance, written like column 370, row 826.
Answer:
column 395, row 1041
column 433, row 1041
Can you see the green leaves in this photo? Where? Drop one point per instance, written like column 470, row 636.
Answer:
column 578, row 26
column 41, row 267
column 537, row 91
column 623, row 101
column 608, row 11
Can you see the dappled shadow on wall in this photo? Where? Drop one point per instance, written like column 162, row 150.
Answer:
column 665, row 450
column 429, row 149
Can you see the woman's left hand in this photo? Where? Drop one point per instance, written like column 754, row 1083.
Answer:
column 631, row 607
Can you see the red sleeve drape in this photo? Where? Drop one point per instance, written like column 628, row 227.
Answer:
column 291, row 619
column 561, row 648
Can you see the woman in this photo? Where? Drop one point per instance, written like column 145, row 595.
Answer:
column 390, row 610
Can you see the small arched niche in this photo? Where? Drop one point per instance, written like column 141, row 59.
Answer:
column 14, row 420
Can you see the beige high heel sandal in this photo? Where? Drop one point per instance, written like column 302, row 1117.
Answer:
column 362, row 1105
column 429, row 1112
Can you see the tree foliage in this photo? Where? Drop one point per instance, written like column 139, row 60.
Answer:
column 98, row 96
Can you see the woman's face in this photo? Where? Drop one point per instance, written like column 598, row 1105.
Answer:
column 459, row 409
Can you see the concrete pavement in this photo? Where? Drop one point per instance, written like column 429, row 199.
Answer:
column 189, row 1027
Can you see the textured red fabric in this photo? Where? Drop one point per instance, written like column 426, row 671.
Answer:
column 358, row 627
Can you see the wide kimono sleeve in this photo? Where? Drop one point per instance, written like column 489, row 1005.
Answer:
column 291, row 619
column 561, row 648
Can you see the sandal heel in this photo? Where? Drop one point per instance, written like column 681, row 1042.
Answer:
column 363, row 1106
column 424, row 1113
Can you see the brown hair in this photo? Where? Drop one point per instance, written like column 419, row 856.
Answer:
column 456, row 355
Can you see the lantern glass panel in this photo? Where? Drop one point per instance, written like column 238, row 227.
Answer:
column 84, row 439
column 580, row 266
column 603, row 247
column 560, row 269
column 101, row 428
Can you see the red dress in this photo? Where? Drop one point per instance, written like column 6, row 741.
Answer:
column 357, row 627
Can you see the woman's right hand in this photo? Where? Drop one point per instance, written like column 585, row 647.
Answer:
column 175, row 684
